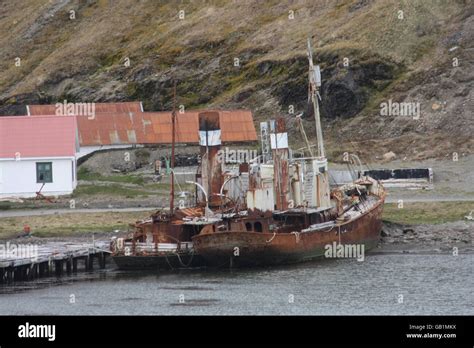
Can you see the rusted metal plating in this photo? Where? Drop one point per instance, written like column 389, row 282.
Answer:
column 210, row 141
column 280, row 165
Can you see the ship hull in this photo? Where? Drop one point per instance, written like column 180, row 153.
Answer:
column 243, row 249
column 159, row 262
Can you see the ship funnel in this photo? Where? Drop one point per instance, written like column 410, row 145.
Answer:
column 211, row 166
column 279, row 145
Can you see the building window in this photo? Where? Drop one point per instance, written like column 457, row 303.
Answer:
column 44, row 172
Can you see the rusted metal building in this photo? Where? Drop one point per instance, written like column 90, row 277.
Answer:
column 124, row 125
column 61, row 109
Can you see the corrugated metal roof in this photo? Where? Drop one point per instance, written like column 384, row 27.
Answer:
column 155, row 128
column 125, row 123
column 100, row 108
column 41, row 136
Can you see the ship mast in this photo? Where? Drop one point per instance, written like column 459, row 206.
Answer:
column 314, row 83
column 173, row 121
column 317, row 192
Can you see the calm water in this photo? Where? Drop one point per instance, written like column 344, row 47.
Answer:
column 430, row 284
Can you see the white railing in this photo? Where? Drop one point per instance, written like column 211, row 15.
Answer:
column 130, row 248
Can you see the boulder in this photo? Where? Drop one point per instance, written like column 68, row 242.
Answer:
column 389, row 156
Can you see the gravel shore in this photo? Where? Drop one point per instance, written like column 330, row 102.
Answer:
column 424, row 237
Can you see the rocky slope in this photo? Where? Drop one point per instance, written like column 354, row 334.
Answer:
column 249, row 54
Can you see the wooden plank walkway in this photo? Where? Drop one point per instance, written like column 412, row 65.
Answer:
column 27, row 261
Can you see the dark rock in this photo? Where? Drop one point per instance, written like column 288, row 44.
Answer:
column 293, row 92
column 143, row 73
column 241, row 96
column 393, row 229
column 358, row 5
column 342, row 98
column 264, row 67
column 453, row 40
column 462, row 92
column 17, row 105
column 420, row 31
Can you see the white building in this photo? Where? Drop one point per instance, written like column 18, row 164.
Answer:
column 37, row 154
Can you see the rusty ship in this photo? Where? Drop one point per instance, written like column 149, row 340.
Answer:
column 275, row 208
column 163, row 240
column 292, row 213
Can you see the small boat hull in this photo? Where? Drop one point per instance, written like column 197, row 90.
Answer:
column 159, row 262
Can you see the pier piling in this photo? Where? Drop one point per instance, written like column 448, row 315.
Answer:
column 69, row 265
column 74, row 265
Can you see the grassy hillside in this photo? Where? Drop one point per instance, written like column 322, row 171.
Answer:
column 403, row 56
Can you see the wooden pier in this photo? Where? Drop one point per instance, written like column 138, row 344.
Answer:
column 50, row 259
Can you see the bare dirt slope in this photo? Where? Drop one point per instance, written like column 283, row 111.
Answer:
column 399, row 50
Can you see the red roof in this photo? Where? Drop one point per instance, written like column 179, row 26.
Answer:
column 41, row 136
column 35, row 110
column 155, row 128
column 125, row 123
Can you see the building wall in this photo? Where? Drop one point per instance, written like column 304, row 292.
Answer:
column 18, row 178
column 86, row 150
